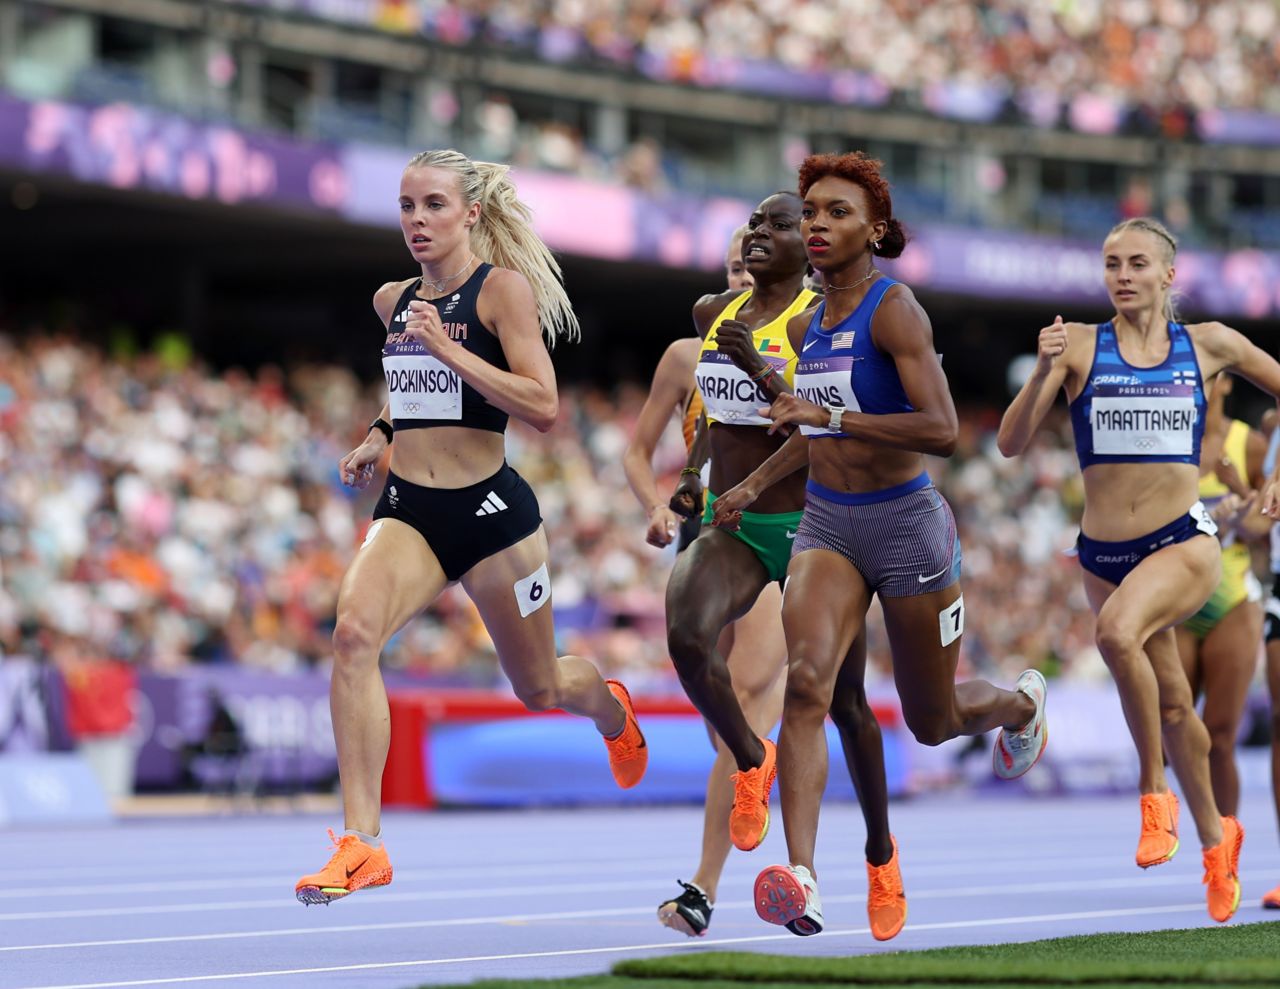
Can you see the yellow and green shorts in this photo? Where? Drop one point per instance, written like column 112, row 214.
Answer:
column 1237, row 585
column 770, row 537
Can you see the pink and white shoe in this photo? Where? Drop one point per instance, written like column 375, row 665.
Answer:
column 788, row 895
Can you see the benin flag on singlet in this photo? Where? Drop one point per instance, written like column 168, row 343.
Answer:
column 770, row 346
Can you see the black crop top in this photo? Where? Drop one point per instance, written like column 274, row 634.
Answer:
column 424, row 392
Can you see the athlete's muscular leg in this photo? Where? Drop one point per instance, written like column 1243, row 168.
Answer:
column 934, row 706
column 823, row 612
column 1188, row 644
column 393, row 576
column 1229, row 656
column 725, row 646
column 1164, row 589
column 757, row 659
column 863, row 749
column 1273, row 691
column 1186, row 740
column 757, row 665
column 714, row 582
column 526, row 645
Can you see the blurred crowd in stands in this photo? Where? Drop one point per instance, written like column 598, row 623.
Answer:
column 1193, row 54
column 1191, row 70
column 1142, row 67
column 157, row 513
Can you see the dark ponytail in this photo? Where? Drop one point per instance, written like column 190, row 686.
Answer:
column 893, row 241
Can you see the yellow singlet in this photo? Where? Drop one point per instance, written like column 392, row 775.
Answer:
column 1237, row 583
column 729, row 395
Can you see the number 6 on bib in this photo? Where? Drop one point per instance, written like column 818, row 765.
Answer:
column 533, row 592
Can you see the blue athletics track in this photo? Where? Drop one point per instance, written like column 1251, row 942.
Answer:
column 549, row 893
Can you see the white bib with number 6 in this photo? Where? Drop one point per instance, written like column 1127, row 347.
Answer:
column 533, row 592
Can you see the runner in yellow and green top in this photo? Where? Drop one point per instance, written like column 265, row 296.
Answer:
column 733, row 399
column 747, row 360
column 1219, row 643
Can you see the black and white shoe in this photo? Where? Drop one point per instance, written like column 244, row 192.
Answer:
column 689, row 913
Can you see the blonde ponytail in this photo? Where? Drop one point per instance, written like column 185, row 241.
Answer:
column 504, row 236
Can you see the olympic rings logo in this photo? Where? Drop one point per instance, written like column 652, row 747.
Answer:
column 1145, row 443
column 412, row 406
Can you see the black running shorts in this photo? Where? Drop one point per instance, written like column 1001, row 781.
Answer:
column 464, row 525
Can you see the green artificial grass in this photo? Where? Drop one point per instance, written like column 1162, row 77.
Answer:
column 622, row 982
column 1248, row 954
column 1197, row 958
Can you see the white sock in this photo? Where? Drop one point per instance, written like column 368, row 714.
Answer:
column 372, row 840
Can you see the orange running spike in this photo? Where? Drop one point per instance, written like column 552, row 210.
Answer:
column 749, row 819
column 628, row 753
column 353, row 866
column 886, row 899
column 1158, row 842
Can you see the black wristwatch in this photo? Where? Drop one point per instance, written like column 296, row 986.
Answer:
column 385, row 427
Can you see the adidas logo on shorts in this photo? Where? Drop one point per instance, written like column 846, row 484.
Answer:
column 491, row 505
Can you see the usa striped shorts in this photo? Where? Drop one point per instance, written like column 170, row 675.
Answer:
column 902, row 539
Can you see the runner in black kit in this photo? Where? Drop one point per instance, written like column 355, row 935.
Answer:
column 464, row 350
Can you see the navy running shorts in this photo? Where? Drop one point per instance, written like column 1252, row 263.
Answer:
column 1114, row 561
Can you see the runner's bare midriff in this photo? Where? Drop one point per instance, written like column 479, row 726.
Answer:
column 850, row 465
column 738, row 450
column 1126, row 501
column 447, row 456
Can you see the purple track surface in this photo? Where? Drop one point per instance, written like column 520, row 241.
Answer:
column 565, row 892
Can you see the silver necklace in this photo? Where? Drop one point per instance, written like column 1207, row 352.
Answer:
column 438, row 285
column 845, row 288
